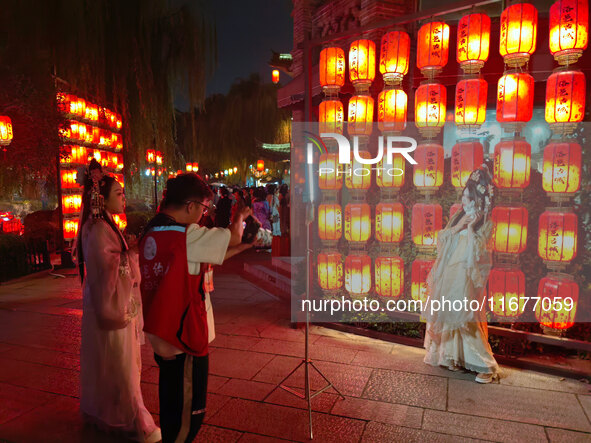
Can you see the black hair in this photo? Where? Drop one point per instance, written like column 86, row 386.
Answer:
column 185, row 187
column 478, row 197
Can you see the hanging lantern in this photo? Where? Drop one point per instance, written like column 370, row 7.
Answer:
column 561, row 172
column 428, row 172
column 426, row 223
column 330, row 117
column 120, row 220
column 466, row 157
column 117, row 142
column 328, row 176
column 569, row 30
column 330, row 271
column 6, row 134
column 120, row 179
column 509, row 233
column 189, row 167
column 391, row 175
column 362, row 63
column 70, row 228
column 473, row 42
column 118, row 122
column 330, row 222
column 394, row 56
column 392, row 105
column 71, row 203
column 515, row 100
column 357, row 222
column 68, row 179
column 519, row 23
column 471, row 103
column 557, row 237
column 506, row 289
column 260, row 165
column 360, row 176
column 558, row 298
column 360, row 115
column 430, row 106
column 151, row 156
column 419, row 272
column 332, row 70
column 358, row 274
column 63, row 102
column 389, row 276
column 432, row 48
column 158, row 157
column 275, row 76
column 512, row 164
column 77, row 106
column 565, row 100
column 389, row 222
column 454, row 208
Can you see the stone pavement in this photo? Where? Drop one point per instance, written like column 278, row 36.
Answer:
column 390, row 394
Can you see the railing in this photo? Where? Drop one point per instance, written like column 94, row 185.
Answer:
column 20, row 257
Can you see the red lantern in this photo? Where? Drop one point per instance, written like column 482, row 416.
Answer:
column 70, row 228
column 331, row 116
column 389, row 222
column 260, row 165
column 362, row 63
column 332, row 69
column 358, row 274
column 328, row 177
column 391, row 175
column 275, row 76
column 77, row 106
column 360, row 176
column 565, row 100
column 6, row 134
column 392, row 105
column 330, row 271
column 71, row 203
column 116, row 142
column 189, row 167
column 509, row 234
column 330, row 222
column 506, row 289
column 558, row 298
column 428, row 172
column 473, row 42
column 158, row 157
column 569, row 30
column 515, row 99
column 561, row 172
column 68, row 179
column 151, row 156
column 430, row 106
column 557, row 238
column 465, row 158
column 389, row 276
column 120, row 179
column 63, row 102
column 512, row 164
column 454, row 208
column 426, row 223
column 394, row 56
column 357, row 222
column 120, row 220
column 360, row 115
column 519, row 24
column 471, row 102
column 420, row 271
column 432, row 48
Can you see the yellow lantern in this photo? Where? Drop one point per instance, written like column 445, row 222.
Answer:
column 331, row 116
column 332, row 69
column 389, row 276
column 360, row 115
column 391, row 175
column 428, row 172
column 360, row 175
column 389, row 222
column 5, row 130
column 430, row 107
column 392, row 110
column 362, row 63
column 519, row 25
column 330, row 222
column 561, row 172
column 358, row 274
column 330, row 271
column 509, row 233
column 357, row 222
column 328, row 167
column 394, row 56
column 473, row 42
column 569, row 30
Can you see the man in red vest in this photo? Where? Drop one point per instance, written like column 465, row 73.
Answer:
column 175, row 254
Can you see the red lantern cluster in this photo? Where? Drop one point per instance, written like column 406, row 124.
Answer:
column 6, row 134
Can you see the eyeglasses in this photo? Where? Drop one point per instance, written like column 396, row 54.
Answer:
column 206, row 209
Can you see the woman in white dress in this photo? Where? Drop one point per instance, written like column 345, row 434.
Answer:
column 110, row 357
column 456, row 334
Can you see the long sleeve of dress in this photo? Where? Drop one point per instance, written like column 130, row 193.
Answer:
column 479, row 261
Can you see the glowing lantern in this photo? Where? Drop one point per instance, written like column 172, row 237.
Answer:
column 391, row 175
column 473, row 42
column 70, row 228
column 6, row 134
column 116, row 142
column 392, row 105
column 91, row 112
column 569, row 30
column 77, row 130
column 119, row 161
column 519, row 23
column 68, row 179
column 118, row 121
column 330, row 222
column 77, row 106
column 465, row 158
column 360, row 177
column 332, row 69
column 331, row 116
column 428, row 172
column 557, row 237
column 63, row 102
column 275, row 76
column 506, row 289
column 430, row 106
column 260, row 165
column 120, row 179
column 471, row 102
column 389, row 222
column 561, row 172
column 565, row 100
column 151, row 156
column 454, row 208
column 394, row 56
column 426, row 223
column 509, row 233
column 105, row 138
column 389, row 276
column 330, row 271
column 360, row 115
column 432, row 48
column 329, row 179
column 419, row 272
column 357, row 222
column 158, row 157
column 512, row 164
column 358, row 274
column 189, row 167
column 362, row 63
column 71, row 204
column 120, row 220
column 557, row 306
column 515, row 99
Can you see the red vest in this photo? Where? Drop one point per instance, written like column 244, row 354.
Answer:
column 173, row 300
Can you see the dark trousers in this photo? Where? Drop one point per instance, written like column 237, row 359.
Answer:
column 182, row 387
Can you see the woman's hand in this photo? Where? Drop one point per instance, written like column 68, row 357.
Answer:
column 475, row 219
column 462, row 223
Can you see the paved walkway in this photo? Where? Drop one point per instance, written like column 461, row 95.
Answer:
column 390, row 394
